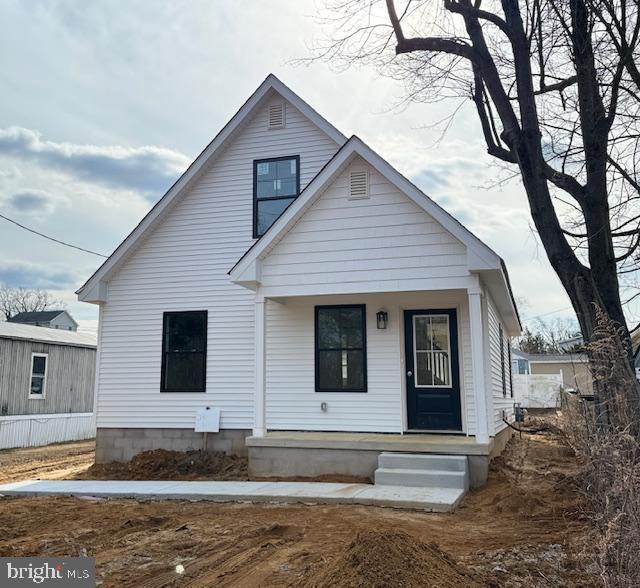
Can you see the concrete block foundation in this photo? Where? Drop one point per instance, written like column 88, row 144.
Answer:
column 118, row 444
column 313, row 454
column 283, row 454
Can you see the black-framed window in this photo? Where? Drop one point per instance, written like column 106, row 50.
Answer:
column 341, row 348
column 510, row 366
column 502, row 366
column 276, row 184
column 184, row 351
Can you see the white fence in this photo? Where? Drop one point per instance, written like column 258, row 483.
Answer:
column 537, row 390
column 41, row 429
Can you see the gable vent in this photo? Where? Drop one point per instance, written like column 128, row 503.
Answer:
column 277, row 116
column 358, row 184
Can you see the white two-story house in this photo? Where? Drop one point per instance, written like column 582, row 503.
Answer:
column 297, row 283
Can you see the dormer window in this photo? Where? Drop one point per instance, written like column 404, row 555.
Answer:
column 276, row 184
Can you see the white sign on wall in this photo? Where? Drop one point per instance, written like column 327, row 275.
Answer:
column 208, row 420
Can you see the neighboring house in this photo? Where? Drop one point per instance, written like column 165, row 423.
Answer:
column 54, row 319
column 573, row 368
column 294, row 280
column 47, row 379
column 519, row 362
column 571, row 345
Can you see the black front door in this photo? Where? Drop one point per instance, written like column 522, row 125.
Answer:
column 433, row 377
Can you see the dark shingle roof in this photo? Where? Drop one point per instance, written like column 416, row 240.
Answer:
column 42, row 316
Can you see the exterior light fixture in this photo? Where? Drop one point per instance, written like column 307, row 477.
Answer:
column 382, row 318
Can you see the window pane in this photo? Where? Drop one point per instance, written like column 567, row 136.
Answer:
column 286, row 169
column 266, row 170
column 422, row 329
column 185, row 331
column 39, row 364
column 440, row 333
column 440, row 368
column 266, row 189
column 37, row 384
column 340, row 328
column 432, row 368
column 268, row 212
column 286, row 187
column 184, row 371
column 330, row 370
column 341, row 370
column 424, row 373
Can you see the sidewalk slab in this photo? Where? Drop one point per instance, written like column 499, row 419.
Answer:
column 426, row 499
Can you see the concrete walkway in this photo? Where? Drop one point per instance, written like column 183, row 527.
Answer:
column 426, row 499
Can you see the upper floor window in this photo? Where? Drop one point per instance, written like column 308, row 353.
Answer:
column 276, row 184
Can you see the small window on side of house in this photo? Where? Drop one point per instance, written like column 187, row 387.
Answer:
column 38, row 379
column 184, row 351
column 510, row 364
column 502, row 366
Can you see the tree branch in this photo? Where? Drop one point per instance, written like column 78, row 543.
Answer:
column 559, row 86
column 437, row 44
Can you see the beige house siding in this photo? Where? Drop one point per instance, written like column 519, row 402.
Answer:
column 574, row 374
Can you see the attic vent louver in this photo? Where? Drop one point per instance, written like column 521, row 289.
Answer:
column 277, row 116
column 358, row 184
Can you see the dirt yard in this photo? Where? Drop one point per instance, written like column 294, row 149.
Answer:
column 523, row 529
column 52, row 462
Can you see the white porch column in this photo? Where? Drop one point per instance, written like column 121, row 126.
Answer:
column 478, row 361
column 259, row 426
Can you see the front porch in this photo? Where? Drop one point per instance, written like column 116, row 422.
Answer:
column 313, row 454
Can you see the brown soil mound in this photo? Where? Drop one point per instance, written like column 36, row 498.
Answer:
column 395, row 558
column 161, row 464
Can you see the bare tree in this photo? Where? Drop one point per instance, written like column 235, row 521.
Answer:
column 16, row 300
column 556, row 87
column 547, row 336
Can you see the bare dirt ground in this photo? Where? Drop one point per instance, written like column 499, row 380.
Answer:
column 51, row 462
column 524, row 528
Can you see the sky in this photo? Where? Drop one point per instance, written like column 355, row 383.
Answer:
column 104, row 103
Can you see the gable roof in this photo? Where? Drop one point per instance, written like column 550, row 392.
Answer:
column 46, row 335
column 94, row 289
column 43, row 316
column 481, row 258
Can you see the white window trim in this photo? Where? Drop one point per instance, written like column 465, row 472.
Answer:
column 44, row 380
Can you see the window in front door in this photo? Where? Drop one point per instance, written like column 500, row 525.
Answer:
column 432, row 351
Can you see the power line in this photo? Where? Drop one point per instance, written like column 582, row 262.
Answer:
column 52, row 238
column 528, row 318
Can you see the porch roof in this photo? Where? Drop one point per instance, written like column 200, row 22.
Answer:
column 482, row 261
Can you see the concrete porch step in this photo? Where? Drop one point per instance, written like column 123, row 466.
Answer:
column 422, row 478
column 422, row 461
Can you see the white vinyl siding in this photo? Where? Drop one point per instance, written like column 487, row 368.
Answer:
column 183, row 265
column 500, row 403
column 384, row 242
column 291, row 400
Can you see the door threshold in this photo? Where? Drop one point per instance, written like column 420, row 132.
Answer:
column 436, row 431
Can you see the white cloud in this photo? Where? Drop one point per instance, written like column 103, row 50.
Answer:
column 148, row 169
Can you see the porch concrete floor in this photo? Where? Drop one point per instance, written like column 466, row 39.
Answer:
column 426, row 499
column 409, row 442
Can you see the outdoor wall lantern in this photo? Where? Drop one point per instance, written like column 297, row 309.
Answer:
column 382, row 318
